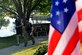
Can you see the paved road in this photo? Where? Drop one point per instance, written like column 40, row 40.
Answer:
column 13, row 49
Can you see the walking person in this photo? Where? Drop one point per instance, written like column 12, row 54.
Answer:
column 32, row 35
column 25, row 35
column 18, row 27
column 28, row 27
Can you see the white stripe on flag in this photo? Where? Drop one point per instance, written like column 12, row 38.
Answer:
column 51, row 31
column 80, row 26
column 66, row 36
column 78, row 5
column 76, row 50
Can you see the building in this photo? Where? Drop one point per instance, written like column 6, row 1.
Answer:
column 41, row 25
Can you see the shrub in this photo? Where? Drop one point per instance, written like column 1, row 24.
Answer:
column 41, row 50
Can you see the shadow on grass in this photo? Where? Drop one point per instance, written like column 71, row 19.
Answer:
column 30, row 51
column 8, row 41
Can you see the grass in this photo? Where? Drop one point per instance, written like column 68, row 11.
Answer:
column 7, row 41
column 30, row 51
column 10, row 41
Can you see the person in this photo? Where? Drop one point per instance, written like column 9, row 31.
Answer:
column 25, row 34
column 28, row 28
column 18, row 27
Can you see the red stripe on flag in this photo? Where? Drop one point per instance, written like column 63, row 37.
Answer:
column 80, row 34
column 53, row 42
column 80, row 19
column 80, row 15
column 72, row 43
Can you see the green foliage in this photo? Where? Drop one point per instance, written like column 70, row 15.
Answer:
column 6, row 6
column 41, row 50
column 44, row 6
column 42, row 14
column 24, row 8
column 3, row 22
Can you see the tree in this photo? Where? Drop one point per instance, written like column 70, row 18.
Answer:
column 3, row 22
column 24, row 8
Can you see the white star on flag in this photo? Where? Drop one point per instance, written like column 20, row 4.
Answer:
column 58, row 22
column 51, row 15
column 56, row 3
column 66, row 10
column 58, row 13
column 64, row 1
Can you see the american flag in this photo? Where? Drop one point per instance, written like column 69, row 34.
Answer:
column 63, row 34
column 79, row 11
column 80, row 23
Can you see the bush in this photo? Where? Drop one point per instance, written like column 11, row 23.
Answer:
column 41, row 50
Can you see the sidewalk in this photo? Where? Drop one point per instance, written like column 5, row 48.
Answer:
column 13, row 49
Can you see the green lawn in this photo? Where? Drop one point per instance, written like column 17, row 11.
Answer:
column 7, row 41
column 30, row 51
column 10, row 41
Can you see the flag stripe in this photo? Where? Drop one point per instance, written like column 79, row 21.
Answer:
column 51, row 31
column 55, row 39
column 80, row 30
column 80, row 34
column 72, row 43
column 80, row 26
column 79, row 15
column 76, row 50
column 66, row 35
column 79, row 12
column 78, row 5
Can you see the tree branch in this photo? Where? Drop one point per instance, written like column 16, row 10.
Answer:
column 24, row 6
column 8, row 10
column 29, row 5
column 16, row 5
column 20, row 6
